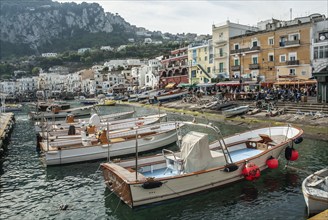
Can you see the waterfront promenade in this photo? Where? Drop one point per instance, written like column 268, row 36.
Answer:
column 302, row 114
column 6, row 125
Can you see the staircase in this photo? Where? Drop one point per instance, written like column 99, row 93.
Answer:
column 204, row 71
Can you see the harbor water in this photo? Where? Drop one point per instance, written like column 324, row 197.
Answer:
column 29, row 190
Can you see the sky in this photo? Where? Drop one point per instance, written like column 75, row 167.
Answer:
column 198, row 16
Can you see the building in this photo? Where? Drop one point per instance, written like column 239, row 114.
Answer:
column 281, row 51
column 201, row 62
column 221, row 34
column 83, row 50
column 174, row 69
column 49, row 55
column 319, row 53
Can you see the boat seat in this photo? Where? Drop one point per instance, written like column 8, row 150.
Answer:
column 266, row 138
column 316, row 183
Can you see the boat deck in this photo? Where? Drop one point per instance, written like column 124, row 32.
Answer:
column 243, row 154
column 236, row 155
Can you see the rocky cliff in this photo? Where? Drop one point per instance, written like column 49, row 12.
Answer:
column 40, row 23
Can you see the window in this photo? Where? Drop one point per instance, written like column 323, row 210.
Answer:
column 220, row 67
column 303, row 72
column 209, row 69
column 292, row 72
column 270, row 57
column 270, row 41
column 282, row 58
column 292, row 56
column 320, row 52
column 236, row 62
column 236, row 46
column 255, row 59
column 293, row 37
column 221, row 52
column 283, row 39
column 254, row 44
column 147, row 79
column 205, row 58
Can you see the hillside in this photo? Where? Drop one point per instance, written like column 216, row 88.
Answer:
column 39, row 26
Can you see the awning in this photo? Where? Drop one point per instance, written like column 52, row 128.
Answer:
column 306, row 82
column 205, row 84
column 170, row 86
column 228, row 83
column 186, row 85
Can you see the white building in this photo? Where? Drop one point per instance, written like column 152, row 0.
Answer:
column 8, row 87
column 152, row 74
column 114, row 64
column 27, row 84
column 319, row 49
column 83, row 50
column 49, row 55
column 107, row 48
column 221, row 34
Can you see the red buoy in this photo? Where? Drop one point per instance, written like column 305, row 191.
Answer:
column 251, row 172
column 294, row 155
column 272, row 163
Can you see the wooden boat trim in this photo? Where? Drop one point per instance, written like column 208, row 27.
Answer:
column 221, row 167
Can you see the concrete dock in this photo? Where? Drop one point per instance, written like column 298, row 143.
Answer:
column 7, row 121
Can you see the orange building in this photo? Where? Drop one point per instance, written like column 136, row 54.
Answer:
column 280, row 51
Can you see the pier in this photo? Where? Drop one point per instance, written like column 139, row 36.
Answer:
column 7, row 121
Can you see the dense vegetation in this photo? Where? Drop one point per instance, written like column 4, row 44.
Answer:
column 87, row 59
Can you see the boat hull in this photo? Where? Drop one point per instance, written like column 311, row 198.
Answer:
column 80, row 154
column 59, row 115
column 170, row 187
column 167, row 97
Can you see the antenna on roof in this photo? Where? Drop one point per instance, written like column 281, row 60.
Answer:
column 291, row 13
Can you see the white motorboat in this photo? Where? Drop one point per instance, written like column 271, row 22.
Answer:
column 315, row 191
column 57, row 113
column 94, row 125
column 149, row 94
column 118, row 144
column 115, row 118
column 235, row 111
column 198, row 166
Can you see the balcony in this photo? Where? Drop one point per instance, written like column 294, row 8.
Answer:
column 245, row 50
column 254, row 66
column 290, row 43
column 235, row 68
column 293, row 62
column 220, row 41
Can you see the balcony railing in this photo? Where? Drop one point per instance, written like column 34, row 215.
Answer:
column 245, row 50
column 254, row 66
column 293, row 62
column 235, row 68
column 292, row 43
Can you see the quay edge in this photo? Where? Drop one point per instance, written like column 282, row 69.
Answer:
column 310, row 131
column 6, row 126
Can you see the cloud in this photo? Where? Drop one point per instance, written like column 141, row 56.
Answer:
column 197, row 16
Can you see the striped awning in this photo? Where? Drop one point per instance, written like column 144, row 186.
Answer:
column 305, row 82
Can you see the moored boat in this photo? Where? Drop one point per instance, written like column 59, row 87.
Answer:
column 198, row 166
column 117, row 144
column 56, row 113
column 170, row 95
column 106, row 102
column 315, row 191
column 235, row 111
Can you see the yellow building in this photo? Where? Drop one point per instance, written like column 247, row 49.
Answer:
column 201, row 62
column 282, row 50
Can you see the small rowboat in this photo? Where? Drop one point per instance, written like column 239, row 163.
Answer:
column 315, row 191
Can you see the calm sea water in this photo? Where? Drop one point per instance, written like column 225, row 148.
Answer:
column 28, row 190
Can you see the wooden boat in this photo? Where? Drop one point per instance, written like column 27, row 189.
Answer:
column 173, row 94
column 235, row 111
column 58, row 113
column 119, row 144
column 120, row 117
column 106, row 102
column 198, row 166
column 47, row 106
column 315, row 191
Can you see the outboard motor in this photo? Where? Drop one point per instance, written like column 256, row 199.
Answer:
column 71, row 130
